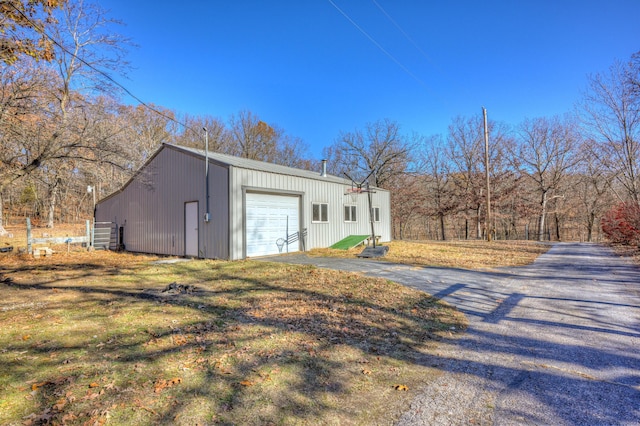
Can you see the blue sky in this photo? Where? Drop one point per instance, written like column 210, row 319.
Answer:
column 306, row 67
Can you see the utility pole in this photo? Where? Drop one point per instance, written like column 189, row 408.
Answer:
column 486, row 167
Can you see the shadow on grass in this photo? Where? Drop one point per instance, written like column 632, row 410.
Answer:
column 559, row 335
column 260, row 343
column 252, row 344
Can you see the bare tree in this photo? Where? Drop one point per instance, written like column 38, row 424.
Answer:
column 408, row 197
column 440, row 201
column 380, row 149
column 593, row 187
column 610, row 114
column 22, row 87
column 633, row 74
column 465, row 149
column 292, row 152
column 144, row 130
column 86, row 49
column 255, row 139
column 545, row 152
column 192, row 133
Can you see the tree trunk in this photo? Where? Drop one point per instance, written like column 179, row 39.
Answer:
column 543, row 213
column 53, row 193
column 590, row 223
column 3, row 232
column 50, row 214
column 441, row 218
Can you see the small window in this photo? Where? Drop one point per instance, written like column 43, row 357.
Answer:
column 349, row 213
column 320, row 212
column 376, row 214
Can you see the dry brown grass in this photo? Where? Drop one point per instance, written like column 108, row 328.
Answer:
column 630, row 252
column 90, row 338
column 454, row 254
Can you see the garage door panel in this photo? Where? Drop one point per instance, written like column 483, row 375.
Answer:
column 268, row 218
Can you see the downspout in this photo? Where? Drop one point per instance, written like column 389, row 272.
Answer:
column 207, row 215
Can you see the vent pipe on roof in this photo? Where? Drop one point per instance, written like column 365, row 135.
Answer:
column 324, row 168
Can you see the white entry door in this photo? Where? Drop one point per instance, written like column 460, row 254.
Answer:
column 191, row 229
column 268, row 218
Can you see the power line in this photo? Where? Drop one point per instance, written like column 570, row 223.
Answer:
column 379, row 46
column 99, row 71
column 411, row 40
column 404, row 33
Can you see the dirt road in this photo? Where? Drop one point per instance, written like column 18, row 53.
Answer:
column 553, row 343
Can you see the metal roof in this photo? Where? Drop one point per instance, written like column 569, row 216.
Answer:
column 245, row 163
column 230, row 160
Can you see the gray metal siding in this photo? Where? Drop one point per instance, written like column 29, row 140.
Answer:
column 312, row 190
column 151, row 206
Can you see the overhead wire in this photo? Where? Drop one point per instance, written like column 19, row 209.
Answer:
column 379, row 46
column 404, row 33
column 412, row 41
column 99, row 71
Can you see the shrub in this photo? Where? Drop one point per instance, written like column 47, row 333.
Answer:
column 621, row 224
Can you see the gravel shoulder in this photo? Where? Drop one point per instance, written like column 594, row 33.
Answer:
column 556, row 342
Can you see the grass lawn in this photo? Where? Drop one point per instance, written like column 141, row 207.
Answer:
column 454, row 254
column 91, row 338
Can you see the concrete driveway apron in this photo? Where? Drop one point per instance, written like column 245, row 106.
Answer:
column 553, row 343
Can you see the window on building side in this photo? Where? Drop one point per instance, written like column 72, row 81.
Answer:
column 376, row 214
column 320, row 212
column 349, row 213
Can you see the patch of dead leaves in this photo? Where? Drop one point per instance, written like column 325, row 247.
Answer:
column 162, row 384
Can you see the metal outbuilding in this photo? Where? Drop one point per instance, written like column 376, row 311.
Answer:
column 245, row 208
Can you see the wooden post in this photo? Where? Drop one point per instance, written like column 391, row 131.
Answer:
column 29, row 248
column 486, row 165
column 88, row 233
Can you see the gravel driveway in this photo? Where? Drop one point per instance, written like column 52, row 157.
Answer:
column 553, row 343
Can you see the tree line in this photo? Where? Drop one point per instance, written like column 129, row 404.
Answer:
column 551, row 178
column 64, row 128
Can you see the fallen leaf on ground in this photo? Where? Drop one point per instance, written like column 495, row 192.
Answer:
column 35, row 386
column 68, row 417
column 161, row 384
column 179, row 340
column 400, row 387
column 59, row 405
column 246, row 383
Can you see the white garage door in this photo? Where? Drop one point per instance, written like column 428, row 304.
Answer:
column 269, row 218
